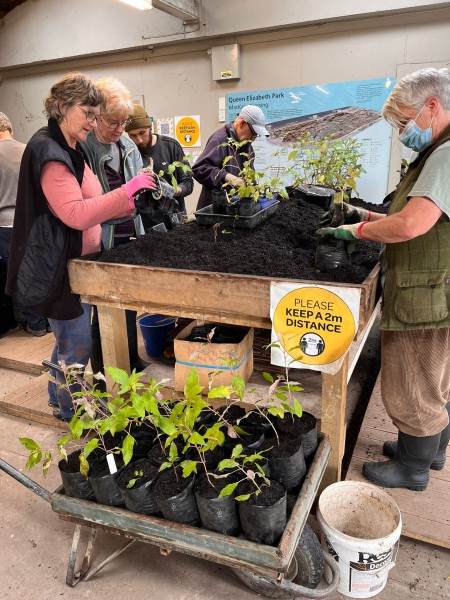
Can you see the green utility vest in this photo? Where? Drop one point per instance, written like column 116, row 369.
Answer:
column 416, row 293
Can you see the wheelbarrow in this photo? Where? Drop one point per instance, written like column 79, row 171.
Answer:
column 272, row 571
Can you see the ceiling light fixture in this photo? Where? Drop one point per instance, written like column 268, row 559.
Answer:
column 141, row 4
column 186, row 10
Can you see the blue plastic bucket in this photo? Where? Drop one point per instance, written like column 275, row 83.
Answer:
column 155, row 330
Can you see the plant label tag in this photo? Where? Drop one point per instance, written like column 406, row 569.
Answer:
column 111, row 463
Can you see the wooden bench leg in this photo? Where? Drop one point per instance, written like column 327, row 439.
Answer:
column 113, row 333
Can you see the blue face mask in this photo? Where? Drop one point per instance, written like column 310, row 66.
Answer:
column 415, row 138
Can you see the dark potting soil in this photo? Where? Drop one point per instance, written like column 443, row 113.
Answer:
column 287, row 446
column 211, row 488
column 100, row 467
column 269, row 493
column 158, row 454
column 142, row 471
column 231, row 412
column 283, row 246
column 217, row 334
column 292, row 426
column 72, row 464
column 170, row 483
column 212, row 457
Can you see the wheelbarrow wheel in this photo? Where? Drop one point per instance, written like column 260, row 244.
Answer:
column 306, row 569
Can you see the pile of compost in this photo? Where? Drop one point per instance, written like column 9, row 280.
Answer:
column 283, row 246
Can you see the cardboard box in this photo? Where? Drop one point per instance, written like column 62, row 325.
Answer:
column 206, row 358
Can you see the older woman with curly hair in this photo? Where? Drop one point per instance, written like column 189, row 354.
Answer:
column 59, row 209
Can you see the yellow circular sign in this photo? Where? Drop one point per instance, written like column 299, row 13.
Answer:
column 314, row 326
column 187, row 131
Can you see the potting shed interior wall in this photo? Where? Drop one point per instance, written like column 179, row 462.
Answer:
column 157, row 56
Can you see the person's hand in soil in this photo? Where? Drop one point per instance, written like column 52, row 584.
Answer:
column 352, row 214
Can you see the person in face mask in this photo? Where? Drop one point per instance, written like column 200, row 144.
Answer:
column 415, row 323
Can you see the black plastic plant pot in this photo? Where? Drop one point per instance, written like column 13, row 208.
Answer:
column 248, row 207
column 219, row 201
column 287, row 463
column 330, row 254
column 232, row 209
column 158, row 454
column 252, row 441
column 263, row 517
column 75, row 484
column 216, row 514
column 139, row 498
column 175, row 497
column 104, row 483
column 308, row 434
column 313, row 194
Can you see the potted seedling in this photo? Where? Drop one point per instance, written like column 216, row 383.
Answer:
column 258, row 190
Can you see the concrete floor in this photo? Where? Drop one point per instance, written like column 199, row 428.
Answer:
column 35, row 543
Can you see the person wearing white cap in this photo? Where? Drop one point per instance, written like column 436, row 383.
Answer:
column 208, row 169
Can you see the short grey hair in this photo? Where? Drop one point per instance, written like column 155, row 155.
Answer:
column 413, row 90
column 5, row 123
column 72, row 90
column 118, row 99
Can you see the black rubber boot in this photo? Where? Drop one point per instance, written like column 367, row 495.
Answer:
column 136, row 361
column 411, row 466
column 390, row 447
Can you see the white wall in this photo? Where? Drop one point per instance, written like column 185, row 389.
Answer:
column 175, row 78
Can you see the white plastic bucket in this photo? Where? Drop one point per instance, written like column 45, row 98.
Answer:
column 361, row 527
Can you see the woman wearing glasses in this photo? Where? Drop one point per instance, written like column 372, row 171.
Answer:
column 115, row 159
column 59, row 209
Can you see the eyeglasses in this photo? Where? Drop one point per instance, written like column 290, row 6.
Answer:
column 116, row 124
column 253, row 132
column 91, row 117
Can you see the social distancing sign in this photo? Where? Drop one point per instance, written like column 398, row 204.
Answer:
column 187, row 131
column 312, row 325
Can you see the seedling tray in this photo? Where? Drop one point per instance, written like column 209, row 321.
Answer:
column 205, row 216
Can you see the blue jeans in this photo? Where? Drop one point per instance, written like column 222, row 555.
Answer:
column 73, row 345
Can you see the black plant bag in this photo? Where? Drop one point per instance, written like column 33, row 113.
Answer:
column 75, row 484
column 180, row 508
column 105, row 486
column 263, row 524
column 140, row 497
column 217, row 514
column 288, row 470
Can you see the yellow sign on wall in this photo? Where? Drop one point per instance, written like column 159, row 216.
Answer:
column 187, row 131
column 313, row 326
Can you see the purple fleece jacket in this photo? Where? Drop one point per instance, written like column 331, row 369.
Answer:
column 208, row 169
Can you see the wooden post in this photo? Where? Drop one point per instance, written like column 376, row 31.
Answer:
column 113, row 333
column 334, row 395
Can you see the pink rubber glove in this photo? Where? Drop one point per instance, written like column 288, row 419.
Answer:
column 139, row 183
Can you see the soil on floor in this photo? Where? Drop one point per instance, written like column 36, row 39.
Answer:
column 282, row 246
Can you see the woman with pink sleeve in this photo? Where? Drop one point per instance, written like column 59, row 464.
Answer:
column 59, row 209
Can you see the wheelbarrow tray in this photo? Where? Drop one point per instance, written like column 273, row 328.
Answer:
column 227, row 550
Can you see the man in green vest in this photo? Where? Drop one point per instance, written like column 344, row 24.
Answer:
column 415, row 324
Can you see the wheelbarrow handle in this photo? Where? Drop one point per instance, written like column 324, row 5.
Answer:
column 24, row 480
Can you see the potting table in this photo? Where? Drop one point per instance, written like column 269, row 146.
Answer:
column 215, row 297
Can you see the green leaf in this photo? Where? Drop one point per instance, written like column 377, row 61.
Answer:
column 131, row 483
column 228, row 490
column 268, row 377
column 127, row 448
column 90, row 447
column 29, row 444
column 276, row 411
column 84, row 466
column 196, row 438
column 298, row 411
column 221, row 391
column 34, row 459
column 227, row 463
column 238, row 385
column 237, row 451
column 242, row 498
column 188, row 467
column 165, row 425
column 138, row 404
